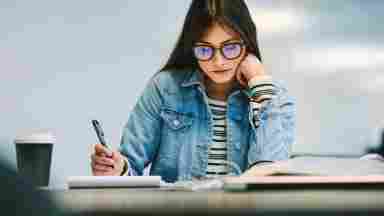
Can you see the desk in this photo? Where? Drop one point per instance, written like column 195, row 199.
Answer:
column 267, row 202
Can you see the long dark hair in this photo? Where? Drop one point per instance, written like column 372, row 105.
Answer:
column 201, row 15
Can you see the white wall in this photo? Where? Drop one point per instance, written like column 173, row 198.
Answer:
column 63, row 63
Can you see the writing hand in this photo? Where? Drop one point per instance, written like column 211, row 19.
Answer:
column 105, row 162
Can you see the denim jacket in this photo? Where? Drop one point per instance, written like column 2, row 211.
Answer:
column 171, row 128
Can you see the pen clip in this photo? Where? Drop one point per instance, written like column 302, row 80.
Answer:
column 99, row 132
column 98, row 127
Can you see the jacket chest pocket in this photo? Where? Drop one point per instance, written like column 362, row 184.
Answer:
column 176, row 122
column 175, row 133
column 175, row 140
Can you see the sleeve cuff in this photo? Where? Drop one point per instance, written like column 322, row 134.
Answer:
column 261, row 162
column 261, row 89
column 126, row 167
column 259, row 80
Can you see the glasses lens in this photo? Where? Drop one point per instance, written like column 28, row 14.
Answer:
column 203, row 52
column 231, row 51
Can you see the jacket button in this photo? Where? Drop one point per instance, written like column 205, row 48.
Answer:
column 176, row 122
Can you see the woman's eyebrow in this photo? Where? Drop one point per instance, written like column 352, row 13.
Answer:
column 224, row 42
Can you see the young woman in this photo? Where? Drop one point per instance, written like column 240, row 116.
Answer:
column 211, row 110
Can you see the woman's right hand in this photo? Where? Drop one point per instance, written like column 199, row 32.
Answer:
column 105, row 162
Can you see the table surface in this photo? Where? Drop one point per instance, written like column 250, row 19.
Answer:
column 153, row 200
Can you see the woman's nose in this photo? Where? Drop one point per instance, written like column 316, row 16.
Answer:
column 218, row 59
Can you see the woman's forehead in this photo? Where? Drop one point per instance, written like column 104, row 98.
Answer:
column 217, row 33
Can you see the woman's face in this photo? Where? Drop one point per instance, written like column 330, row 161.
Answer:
column 220, row 66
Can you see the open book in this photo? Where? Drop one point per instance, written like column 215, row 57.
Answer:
column 312, row 171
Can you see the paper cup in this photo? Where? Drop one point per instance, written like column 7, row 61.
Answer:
column 33, row 154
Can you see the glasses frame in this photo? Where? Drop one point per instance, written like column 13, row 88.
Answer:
column 214, row 48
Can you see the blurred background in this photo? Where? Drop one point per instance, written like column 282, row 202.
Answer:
column 63, row 63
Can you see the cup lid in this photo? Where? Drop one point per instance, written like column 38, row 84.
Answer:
column 36, row 137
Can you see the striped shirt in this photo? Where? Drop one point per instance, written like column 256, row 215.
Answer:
column 260, row 92
column 217, row 154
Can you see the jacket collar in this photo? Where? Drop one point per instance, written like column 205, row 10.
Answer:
column 193, row 77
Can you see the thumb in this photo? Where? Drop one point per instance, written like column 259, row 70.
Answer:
column 116, row 156
column 101, row 150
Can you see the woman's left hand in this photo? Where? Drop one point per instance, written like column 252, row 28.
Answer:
column 250, row 68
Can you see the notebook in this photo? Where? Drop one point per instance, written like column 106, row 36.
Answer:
column 311, row 172
column 79, row 182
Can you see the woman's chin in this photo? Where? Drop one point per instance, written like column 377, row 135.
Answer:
column 222, row 79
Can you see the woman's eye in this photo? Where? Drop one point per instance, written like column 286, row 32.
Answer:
column 230, row 46
column 205, row 50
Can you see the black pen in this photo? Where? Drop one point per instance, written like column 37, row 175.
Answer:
column 99, row 132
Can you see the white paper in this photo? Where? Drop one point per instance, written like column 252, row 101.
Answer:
column 113, row 181
column 333, row 166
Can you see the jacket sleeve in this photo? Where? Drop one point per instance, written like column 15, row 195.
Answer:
column 140, row 136
column 271, row 139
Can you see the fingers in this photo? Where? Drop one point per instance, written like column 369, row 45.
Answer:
column 102, row 166
column 101, row 150
column 98, row 169
column 102, row 160
column 243, row 80
column 105, row 162
column 250, row 68
column 240, row 78
column 102, row 172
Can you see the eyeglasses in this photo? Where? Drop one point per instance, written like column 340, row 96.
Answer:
column 229, row 51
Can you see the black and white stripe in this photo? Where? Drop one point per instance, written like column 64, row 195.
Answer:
column 262, row 92
column 217, row 155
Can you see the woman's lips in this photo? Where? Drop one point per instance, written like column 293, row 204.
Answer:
column 220, row 71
